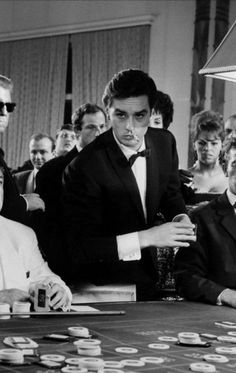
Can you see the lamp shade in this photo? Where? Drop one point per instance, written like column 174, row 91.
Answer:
column 222, row 64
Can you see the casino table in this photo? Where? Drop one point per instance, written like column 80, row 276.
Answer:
column 142, row 324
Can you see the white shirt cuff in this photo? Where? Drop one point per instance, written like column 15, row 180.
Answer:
column 27, row 205
column 128, row 247
column 218, row 300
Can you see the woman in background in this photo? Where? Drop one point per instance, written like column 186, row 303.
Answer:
column 207, row 130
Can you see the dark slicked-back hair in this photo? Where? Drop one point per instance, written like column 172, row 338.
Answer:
column 67, row 126
column 130, row 83
column 80, row 112
column 165, row 106
column 6, row 83
column 207, row 120
column 40, row 136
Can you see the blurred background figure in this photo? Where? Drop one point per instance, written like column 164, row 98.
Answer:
column 230, row 127
column 162, row 113
column 89, row 121
column 65, row 140
column 41, row 147
column 208, row 175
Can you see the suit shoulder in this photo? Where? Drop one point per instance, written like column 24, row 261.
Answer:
column 17, row 227
column 204, row 210
column 159, row 133
column 22, row 174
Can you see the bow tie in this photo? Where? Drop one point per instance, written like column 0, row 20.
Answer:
column 144, row 153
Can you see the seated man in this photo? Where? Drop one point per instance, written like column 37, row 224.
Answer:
column 15, row 206
column 207, row 271
column 22, row 266
column 113, row 193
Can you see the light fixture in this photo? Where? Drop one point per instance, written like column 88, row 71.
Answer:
column 222, row 64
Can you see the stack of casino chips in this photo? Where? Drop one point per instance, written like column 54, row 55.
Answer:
column 4, row 308
column 79, row 331
column 88, row 347
column 11, row 356
column 189, row 338
column 21, row 307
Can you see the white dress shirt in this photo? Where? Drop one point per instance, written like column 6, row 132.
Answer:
column 21, row 263
column 128, row 245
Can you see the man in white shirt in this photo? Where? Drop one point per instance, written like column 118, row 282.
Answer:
column 22, row 265
column 111, row 204
column 207, row 272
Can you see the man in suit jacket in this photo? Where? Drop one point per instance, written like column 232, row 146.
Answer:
column 41, row 147
column 111, row 206
column 15, row 207
column 207, row 272
column 89, row 121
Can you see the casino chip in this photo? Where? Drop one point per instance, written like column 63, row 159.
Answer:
column 52, row 357
column 108, row 370
column 113, row 364
column 189, row 338
column 79, row 331
column 73, row 361
column 152, row 359
column 233, row 334
column 166, row 338
column 133, row 363
column 91, row 363
column 126, row 350
column 203, row 367
column 226, row 350
column 159, row 346
column 12, row 356
column 73, row 370
column 227, row 338
column 88, row 347
column 212, row 358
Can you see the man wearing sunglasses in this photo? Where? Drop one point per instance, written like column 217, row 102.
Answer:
column 15, row 207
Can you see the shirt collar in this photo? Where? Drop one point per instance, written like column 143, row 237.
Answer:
column 231, row 197
column 126, row 150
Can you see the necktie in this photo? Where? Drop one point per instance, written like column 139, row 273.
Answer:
column 144, row 153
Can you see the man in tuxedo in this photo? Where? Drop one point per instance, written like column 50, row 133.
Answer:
column 41, row 147
column 89, row 121
column 112, row 201
column 207, row 272
column 15, row 207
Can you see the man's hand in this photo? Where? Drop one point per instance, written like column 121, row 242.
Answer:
column 13, row 295
column 58, row 297
column 228, row 297
column 175, row 234
column 34, row 202
column 186, row 177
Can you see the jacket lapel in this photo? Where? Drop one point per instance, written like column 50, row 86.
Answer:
column 124, row 172
column 152, row 179
column 226, row 214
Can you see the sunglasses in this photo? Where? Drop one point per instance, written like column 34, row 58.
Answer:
column 10, row 106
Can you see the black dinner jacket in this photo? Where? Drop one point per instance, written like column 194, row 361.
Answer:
column 14, row 206
column 102, row 200
column 49, row 183
column 21, row 179
column 209, row 266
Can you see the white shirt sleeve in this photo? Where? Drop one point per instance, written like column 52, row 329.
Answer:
column 128, row 247
column 40, row 272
